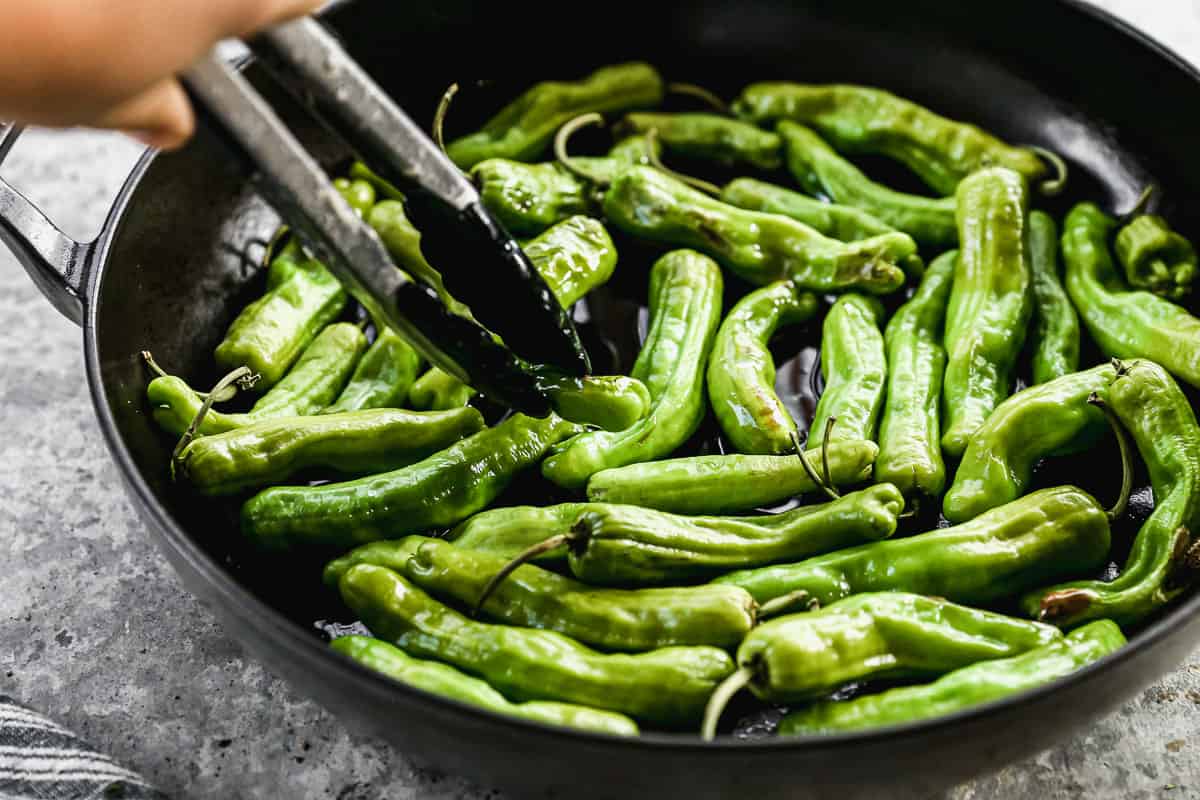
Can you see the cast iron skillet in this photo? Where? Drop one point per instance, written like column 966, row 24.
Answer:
column 173, row 265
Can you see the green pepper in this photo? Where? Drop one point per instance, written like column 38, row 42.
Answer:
column 531, row 597
column 529, row 198
column 383, row 376
column 273, row 331
column 910, row 450
column 523, row 128
column 668, row 687
column 1053, row 532
column 611, row 545
column 1156, row 258
column 1123, row 323
column 361, row 172
column 361, row 442
column 885, row 635
column 574, row 257
column 961, row 689
column 403, row 242
column 854, row 365
column 511, row 531
column 437, row 390
column 359, row 193
column 1056, row 335
column 990, row 302
column 820, row 170
column 685, row 307
column 446, row 681
column 609, row 402
column 862, row 119
column 741, row 370
column 312, row 384
column 759, row 248
column 726, row 484
column 439, row 491
column 710, row 137
column 1150, row 404
column 1052, row 418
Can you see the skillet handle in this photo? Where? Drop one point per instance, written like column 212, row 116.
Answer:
column 55, row 262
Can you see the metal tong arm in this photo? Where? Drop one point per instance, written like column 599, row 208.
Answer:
column 299, row 189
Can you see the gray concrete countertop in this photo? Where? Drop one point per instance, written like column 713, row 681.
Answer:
column 98, row 633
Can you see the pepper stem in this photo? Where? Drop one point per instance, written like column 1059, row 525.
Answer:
column 1141, row 204
column 282, row 234
column 439, row 116
column 153, row 365
column 1055, row 185
column 709, row 97
column 721, row 697
column 1118, row 429
column 832, row 421
column 230, row 380
column 563, row 137
column 811, row 471
column 520, row 560
column 782, row 603
column 656, row 162
column 225, row 396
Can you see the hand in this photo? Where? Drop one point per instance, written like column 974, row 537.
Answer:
column 112, row 63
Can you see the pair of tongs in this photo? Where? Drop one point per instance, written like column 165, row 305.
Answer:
column 480, row 265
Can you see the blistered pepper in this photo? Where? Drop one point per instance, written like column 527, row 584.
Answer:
column 854, row 365
column 710, row 137
column 382, row 377
column 1056, row 333
column 511, row 531
column 741, row 370
column 1156, row 258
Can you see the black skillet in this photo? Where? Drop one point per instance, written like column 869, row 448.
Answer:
column 174, row 264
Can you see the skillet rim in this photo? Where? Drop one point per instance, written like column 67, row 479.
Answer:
column 286, row 637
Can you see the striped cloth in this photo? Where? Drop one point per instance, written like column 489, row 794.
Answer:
column 40, row 760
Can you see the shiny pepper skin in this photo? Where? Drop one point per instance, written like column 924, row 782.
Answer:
column 1006, row 551
column 709, row 137
column 820, row 170
column 510, row 531
column 532, row 597
column 990, row 303
column 669, row 686
column 1150, row 404
column 612, row 545
column 311, row 385
column 862, row 119
column 438, row 390
column 685, row 307
column 961, row 689
column 726, row 484
column 439, row 491
column 1125, row 324
column 910, row 449
column 382, row 377
column 1056, row 332
column 1156, row 258
column 353, row 442
column 759, row 248
column 741, row 370
column 523, row 128
column 878, row 636
column 854, row 364
column 446, row 681
column 1049, row 419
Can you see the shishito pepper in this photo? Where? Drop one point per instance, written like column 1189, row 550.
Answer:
column 382, row 377
column 1126, row 324
column 438, row 390
column 310, row 386
column 990, row 302
column 445, row 680
column 962, row 688
column 910, row 448
column 352, row 442
column 727, row 484
column 854, row 364
column 523, row 128
column 1159, row 568
column 511, row 531
column 1001, row 553
column 1156, row 258
column 709, row 136
column 1056, row 334
column 439, row 491
column 668, row 686
column 531, row 597
column 741, row 370
column 871, row 636
column 685, row 307
column 862, row 119
column 1052, row 418
column 820, row 170
column 759, row 248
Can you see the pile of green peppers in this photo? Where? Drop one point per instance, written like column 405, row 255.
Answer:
column 966, row 336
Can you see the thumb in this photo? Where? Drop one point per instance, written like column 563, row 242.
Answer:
column 161, row 116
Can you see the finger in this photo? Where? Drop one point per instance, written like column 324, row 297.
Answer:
column 242, row 18
column 161, row 116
